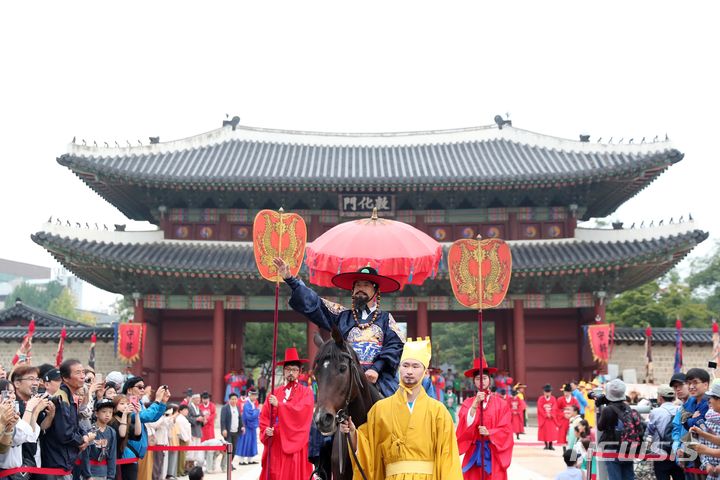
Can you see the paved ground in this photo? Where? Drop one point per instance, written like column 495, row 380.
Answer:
column 530, row 462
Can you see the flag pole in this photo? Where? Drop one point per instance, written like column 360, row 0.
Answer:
column 479, row 257
column 275, row 339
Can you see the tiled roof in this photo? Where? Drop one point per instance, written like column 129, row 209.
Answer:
column 477, row 157
column 10, row 334
column 663, row 335
column 42, row 318
column 230, row 260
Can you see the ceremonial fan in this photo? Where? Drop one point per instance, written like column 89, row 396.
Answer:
column 480, row 272
column 284, row 235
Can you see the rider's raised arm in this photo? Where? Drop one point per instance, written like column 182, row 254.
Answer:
column 304, row 300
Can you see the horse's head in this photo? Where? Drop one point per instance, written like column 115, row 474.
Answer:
column 337, row 374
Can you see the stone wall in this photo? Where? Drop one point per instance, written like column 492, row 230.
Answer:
column 44, row 352
column 632, row 355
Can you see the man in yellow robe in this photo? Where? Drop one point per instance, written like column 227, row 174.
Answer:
column 408, row 435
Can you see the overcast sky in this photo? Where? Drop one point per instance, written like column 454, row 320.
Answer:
column 174, row 69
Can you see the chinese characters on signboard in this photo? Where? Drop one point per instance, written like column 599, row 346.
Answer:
column 361, row 204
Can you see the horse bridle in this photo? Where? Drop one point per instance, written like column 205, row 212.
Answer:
column 342, row 414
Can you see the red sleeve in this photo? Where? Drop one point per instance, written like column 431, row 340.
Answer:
column 295, row 417
column 227, row 377
column 265, row 421
column 466, row 434
column 501, row 435
column 213, row 414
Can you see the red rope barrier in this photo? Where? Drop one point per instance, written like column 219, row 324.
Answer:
column 119, row 461
column 189, row 448
column 45, row 471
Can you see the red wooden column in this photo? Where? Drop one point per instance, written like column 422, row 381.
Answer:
column 519, row 341
column 422, row 328
column 600, row 306
column 240, row 343
column 312, row 349
column 218, row 351
column 138, row 317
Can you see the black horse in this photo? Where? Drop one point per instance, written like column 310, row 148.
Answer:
column 343, row 391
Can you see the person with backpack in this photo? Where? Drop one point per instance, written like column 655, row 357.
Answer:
column 622, row 431
column 659, row 434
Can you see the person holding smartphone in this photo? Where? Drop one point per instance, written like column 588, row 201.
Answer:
column 25, row 428
column 26, row 381
column 134, row 388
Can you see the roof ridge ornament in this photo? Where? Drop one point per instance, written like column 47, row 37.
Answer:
column 502, row 122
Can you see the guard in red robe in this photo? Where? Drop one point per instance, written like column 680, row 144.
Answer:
column 286, row 435
column 563, row 423
column 517, row 409
column 208, row 411
column 488, row 443
column 547, row 426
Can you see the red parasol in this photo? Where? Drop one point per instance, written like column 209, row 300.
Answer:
column 395, row 249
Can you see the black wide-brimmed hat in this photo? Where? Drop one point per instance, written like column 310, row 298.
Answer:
column 369, row 274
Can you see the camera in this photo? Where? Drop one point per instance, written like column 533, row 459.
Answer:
column 600, row 398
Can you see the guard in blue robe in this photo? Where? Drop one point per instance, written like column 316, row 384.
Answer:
column 372, row 333
column 247, row 447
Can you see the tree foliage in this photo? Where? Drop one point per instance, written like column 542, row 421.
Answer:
column 705, row 279
column 38, row 296
column 659, row 303
column 454, row 344
column 259, row 338
column 64, row 305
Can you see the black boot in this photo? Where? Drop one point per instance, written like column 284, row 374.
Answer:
column 550, row 447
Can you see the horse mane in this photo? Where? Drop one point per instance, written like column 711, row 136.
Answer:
column 335, row 353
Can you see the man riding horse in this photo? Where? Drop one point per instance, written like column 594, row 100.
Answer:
column 372, row 333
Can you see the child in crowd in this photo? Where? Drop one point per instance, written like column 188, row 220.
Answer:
column 571, row 472
column 99, row 457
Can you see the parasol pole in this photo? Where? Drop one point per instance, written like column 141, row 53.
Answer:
column 479, row 255
column 275, row 338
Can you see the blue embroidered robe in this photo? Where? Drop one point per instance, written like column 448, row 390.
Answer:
column 379, row 347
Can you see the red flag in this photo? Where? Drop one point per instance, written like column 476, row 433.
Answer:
column 61, row 347
column 599, row 337
column 23, row 352
column 131, row 337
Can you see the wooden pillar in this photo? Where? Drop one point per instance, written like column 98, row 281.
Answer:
column 138, row 317
column 600, row 307
column 519, row 341
column 499, row 342
column 240, row 343
column 412, row 325
column 512, row 227
column 312, row 349
column 218, row 351
column 422, row 328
